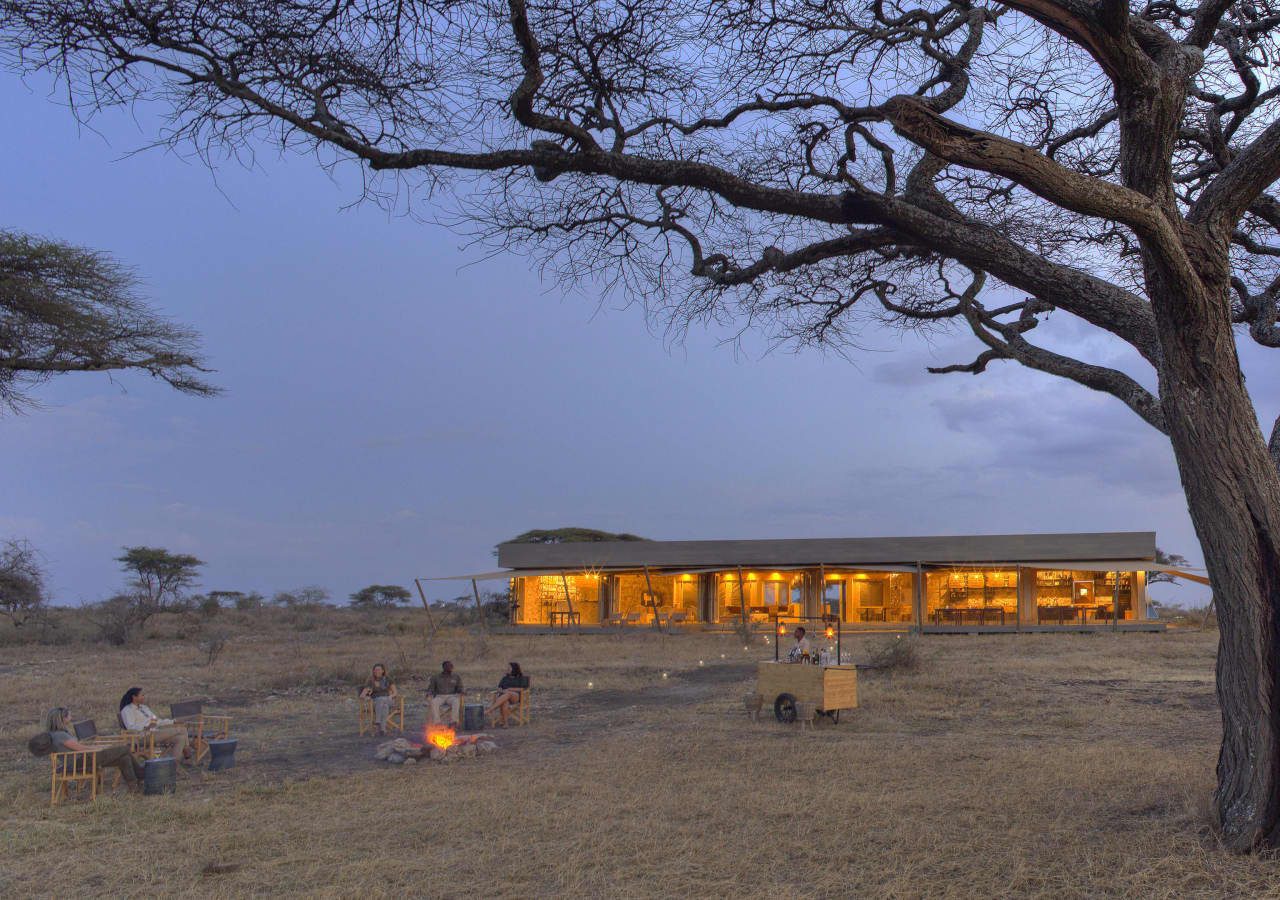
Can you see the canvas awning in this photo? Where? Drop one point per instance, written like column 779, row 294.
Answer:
column 1183, row 573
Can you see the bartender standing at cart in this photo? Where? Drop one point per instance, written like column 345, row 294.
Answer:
column 800, row 651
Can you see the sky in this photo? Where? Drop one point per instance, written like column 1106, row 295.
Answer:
column 397, row 402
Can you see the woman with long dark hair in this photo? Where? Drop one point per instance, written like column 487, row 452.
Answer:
column 508, row 692
column 137, row 717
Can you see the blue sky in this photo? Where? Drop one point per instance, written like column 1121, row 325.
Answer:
column 397, row 403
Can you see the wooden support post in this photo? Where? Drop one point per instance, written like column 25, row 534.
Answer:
column 918, row 601
column 568, row 598
column 430, row 621
column 822, row 592
column 475, row 592
column 653, row 599
column 1115, row 603
column 742, row 599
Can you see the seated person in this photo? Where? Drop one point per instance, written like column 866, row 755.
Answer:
column 58, row 724
column 137, row 717
column 444, row 689
column 381, row 690
column 508, row 692
column 800, row 651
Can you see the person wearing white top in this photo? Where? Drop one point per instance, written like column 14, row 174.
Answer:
column 801, row 649
column 136, row 716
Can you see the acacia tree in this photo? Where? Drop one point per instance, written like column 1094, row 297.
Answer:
column 69, row 309
column 160, row 579
column 801, row 164
column 380, row 596
column 22, row 582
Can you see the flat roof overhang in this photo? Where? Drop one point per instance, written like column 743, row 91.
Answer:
column 1007, row 549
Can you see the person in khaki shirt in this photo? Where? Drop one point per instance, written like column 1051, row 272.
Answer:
column 445, row 689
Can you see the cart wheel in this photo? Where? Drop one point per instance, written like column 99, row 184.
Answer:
column 835, row 717
column 784, row 708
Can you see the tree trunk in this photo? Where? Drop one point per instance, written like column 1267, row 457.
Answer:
column 1233, row 494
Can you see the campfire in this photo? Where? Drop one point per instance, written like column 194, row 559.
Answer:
column 440, row 743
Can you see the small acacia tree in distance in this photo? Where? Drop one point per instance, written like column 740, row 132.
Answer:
column 160, row 579
column 22, row 587
column 380, row 596
column 308, row 597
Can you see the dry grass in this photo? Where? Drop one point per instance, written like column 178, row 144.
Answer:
column 1036, row 765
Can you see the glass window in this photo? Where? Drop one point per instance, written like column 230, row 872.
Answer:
column 688, row 597
column 541, row 596
column 767, row 595
column 971, row 596
column 833, row 594
column 1080, row 597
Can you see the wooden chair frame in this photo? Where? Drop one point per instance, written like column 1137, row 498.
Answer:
column 73, row 767
column 395, row 716
column 519, row 714
column 141, row 743
column 201, row 729
column 462, row 710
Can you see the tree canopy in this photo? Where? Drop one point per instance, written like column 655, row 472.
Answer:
column 380, row 596
column 160, row 579
column 22, row 582
column 570, row 535
column 68, row 309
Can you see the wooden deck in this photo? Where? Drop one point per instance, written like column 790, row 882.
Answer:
column 725, row 628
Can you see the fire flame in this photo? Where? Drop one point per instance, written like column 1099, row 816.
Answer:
column 440, row 736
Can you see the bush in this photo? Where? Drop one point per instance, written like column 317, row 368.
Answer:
column 208, row 606
column 250, row 601
column 896, row 653
column 116, row 619
column 213, row 645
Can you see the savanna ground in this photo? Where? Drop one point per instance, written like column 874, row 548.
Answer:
column 1035, row 765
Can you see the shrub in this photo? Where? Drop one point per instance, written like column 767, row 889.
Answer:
column 116, row 619
column 250, row 601
column 896, row 653
column 208, row 605
column 213, row 645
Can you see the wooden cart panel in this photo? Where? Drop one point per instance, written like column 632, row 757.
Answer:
column 826, row 687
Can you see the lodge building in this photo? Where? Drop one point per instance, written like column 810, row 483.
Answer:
column 939, row 584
